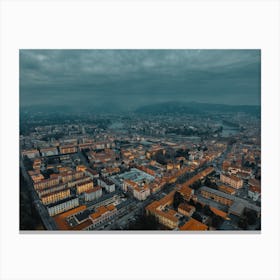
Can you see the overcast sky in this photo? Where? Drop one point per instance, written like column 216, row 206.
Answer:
column 129, row 78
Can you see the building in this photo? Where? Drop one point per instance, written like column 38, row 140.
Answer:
column 30, row 153
column 103, row 214
column 136, row 181
column 47, row 183
column 78, row 181
column 193, row 224
column 227, row 189
column 168, row 218
column 51, row 151
column 148, row 169
column 186, row 209
column 81, row 168
column 232, row 180
column 217, row 196
column 107, row 184
column 93, row 174
column 52, row 189
column 110, row 171
column 161, row 211
column 55, row 196
column 219, row 212
column 62, row 206
column 235, row 204
column 85, row 186
column 254, row 192
column 237, row 208
column 63, row 224
column 186, row 192
column 37, row 178
column 37, row 163
column 141, row 192
column 93, row 193
column 66, row 176
column 68, row 149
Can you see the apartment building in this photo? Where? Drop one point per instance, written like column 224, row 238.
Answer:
column 55, row 196
column 93, row 193
column 232, row 180
column 85, row 186
column 62, row 206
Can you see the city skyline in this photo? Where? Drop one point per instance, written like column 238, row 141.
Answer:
column 166, row 140
column 127, row 79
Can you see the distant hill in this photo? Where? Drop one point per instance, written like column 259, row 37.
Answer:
column 73, row 109
column 196, row 108
column 156, row 108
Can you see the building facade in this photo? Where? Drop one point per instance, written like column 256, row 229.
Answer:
column 54, row 209
column 232, row 180
column 55, row 196
column 93, row 194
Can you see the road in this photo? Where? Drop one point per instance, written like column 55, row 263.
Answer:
column 83, row 159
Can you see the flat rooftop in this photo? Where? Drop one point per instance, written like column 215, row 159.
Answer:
column 235, row 199
column 135, row 175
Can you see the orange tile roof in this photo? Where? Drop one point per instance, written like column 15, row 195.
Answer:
column 132, row 183
column 67, row 146
column 168, row 199
column 186, row 207
column 255, row 189
column 193, row 224
column 93, row 190
column 71, row 212
column 218, row 212
column 55, row 192
column 63, row 225
column 186, row 191
column 111, row 207
column 170, row 214
column 232, row 177
column 85, row 182
column 226, row 189
column 82, row 225
column 99, row 211
column 254, row 182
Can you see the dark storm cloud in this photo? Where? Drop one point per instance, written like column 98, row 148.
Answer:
column 128, row 78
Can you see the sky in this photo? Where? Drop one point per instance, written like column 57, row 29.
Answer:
column 127, row 79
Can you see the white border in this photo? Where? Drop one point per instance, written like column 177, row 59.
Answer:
column 156, row 24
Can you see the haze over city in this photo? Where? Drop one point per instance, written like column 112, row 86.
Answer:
column 127, row 79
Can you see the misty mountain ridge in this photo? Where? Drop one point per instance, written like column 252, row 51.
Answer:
column 196, row 108
column 156, row 108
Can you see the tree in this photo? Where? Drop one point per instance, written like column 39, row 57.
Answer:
column 160, row 158
column 178, row 198
column 144, row 223
column 207, row 211
column 181, row 163
column 216, row 221
column 198, row 206
column 28, row 163
column 196, row 185
column 197, row 217
column 191, row 202
column 243, row 223
column 250, row 216
column 207, row 182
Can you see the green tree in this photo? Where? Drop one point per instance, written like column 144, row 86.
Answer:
column 216, row 221
column 178, row 198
